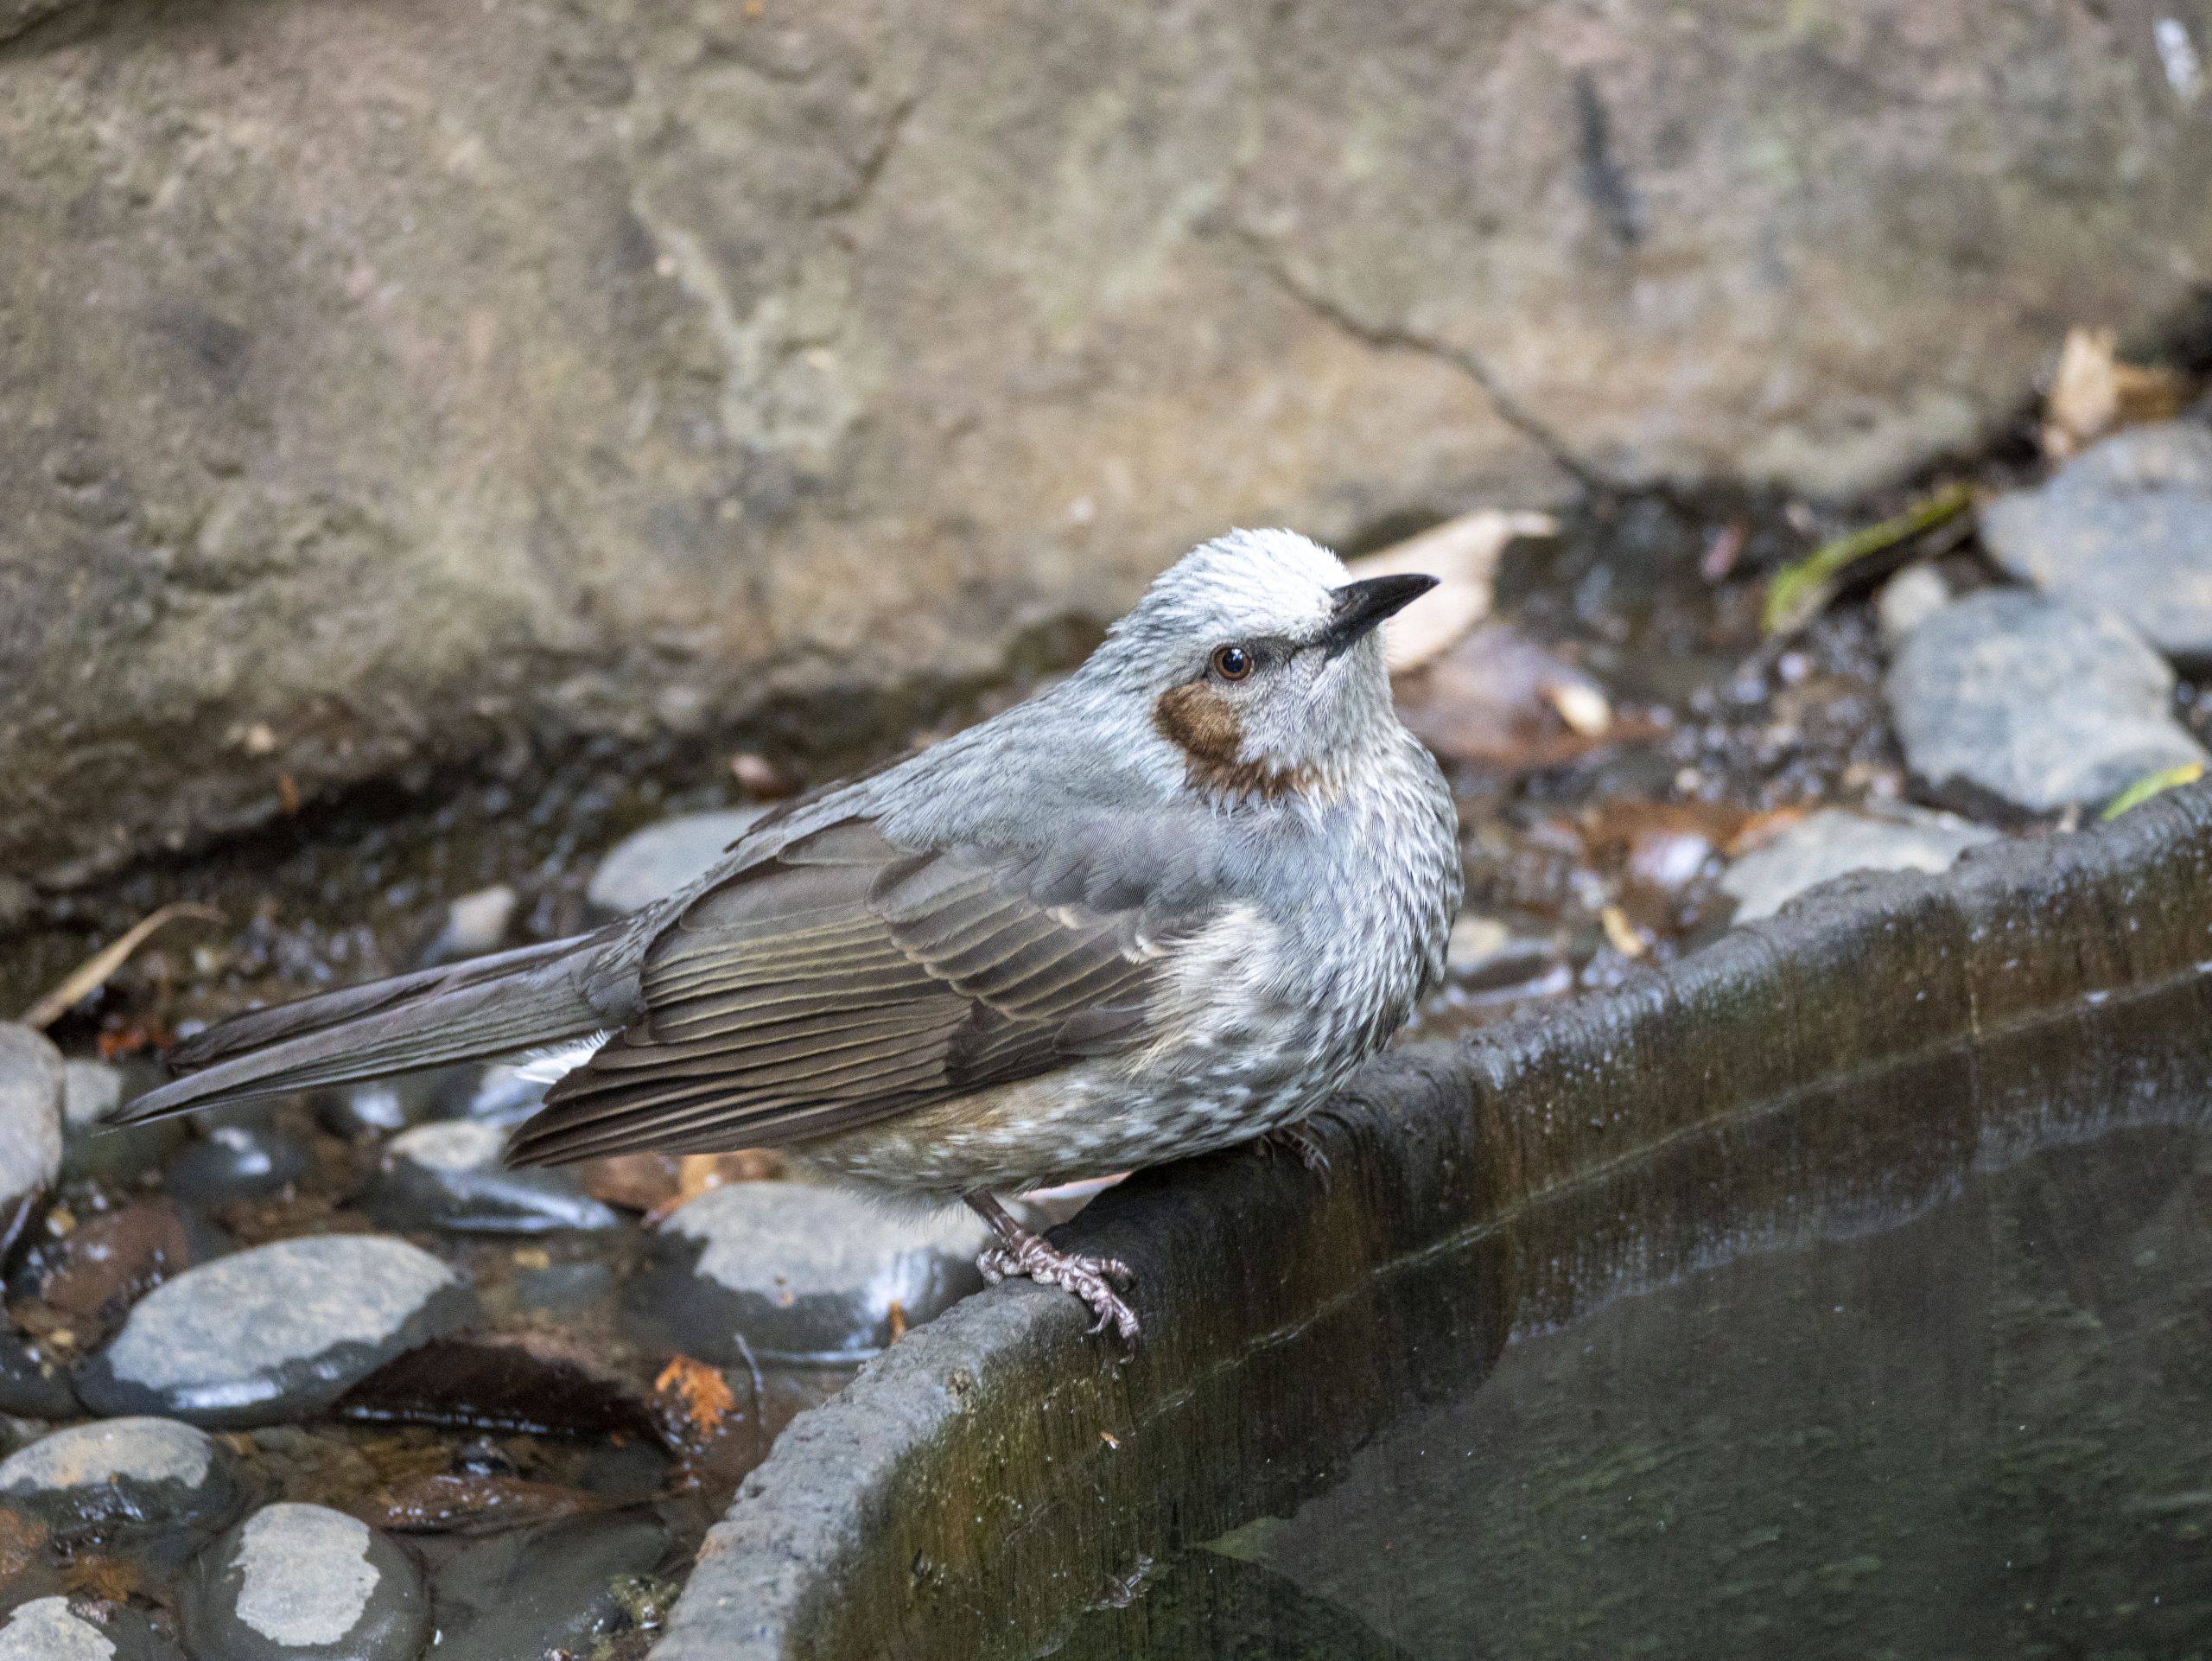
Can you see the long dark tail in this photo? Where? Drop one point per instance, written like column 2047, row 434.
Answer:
column 470, row 1011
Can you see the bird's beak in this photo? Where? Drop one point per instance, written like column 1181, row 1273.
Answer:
column 1361, row 605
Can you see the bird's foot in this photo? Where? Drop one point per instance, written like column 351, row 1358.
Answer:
column 1099, row 1281
column 1300, row 1138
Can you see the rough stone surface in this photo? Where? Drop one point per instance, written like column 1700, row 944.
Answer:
column 800, row 1271
column 274, row 1334
column 2124, row 527
column 448, row 1175
column 2034, row 702
column 32, row 1083
column 1834, row 843
column 47, row 1629
column 661, row 858
column 129, row 1475
column 1908, row 600
column 668, row 364
column 297, row 1582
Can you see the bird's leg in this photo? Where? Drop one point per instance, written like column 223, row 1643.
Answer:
column 1303, row 1139
column 1024, row 1251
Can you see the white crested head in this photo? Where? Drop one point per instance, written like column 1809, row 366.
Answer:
column 1254, row 661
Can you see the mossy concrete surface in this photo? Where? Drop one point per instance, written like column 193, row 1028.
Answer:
column 1846, row 1063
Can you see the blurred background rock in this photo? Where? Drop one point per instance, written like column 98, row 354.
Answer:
column 390, row 385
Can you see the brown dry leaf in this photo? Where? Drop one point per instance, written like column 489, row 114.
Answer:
column 1495, row 698
column 1621, row 934
column 1761, row 829
column 111, row 1580
column 2094, row 392
column 88, row 976
column 1462, row 555
column 701, row 1391
column 635, row 1182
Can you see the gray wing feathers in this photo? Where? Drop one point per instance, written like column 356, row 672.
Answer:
column 487, row 1007
column 845, row 980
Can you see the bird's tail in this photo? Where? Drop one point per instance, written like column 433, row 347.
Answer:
column 487, row 1007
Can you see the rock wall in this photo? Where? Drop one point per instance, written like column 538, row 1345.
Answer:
column 379, row 382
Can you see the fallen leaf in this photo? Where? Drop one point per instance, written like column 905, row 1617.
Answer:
column 21, row 1540
column 525, row 1383
column 701, row 1391
column 1495, row 698
column 2143, row 789
column 466, row 1503
column 698, row 1173
column 109, row 1580
column 635, row 1182
column 1762, row 828
column 1800, row 590
column 2094, row 393
column 1462, row 555
column 1621, row 934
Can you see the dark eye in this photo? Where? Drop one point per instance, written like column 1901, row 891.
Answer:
column 1231, row 662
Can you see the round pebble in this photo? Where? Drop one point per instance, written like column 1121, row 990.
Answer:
column 32, row 1083
column 49, row 1629
column 295, row 1582
column 449, row 1177
column 1834, row 843
column 123, row 1476
column 236, row 1161
column 656, row 862
column 275, row 1333
column 800, row 1273
column 2004, row 694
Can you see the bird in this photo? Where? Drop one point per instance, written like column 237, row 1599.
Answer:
column 1165, row 905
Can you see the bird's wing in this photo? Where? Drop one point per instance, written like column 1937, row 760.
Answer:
column 844, row 979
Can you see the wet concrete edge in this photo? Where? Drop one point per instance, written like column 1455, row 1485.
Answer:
column 944, row 1465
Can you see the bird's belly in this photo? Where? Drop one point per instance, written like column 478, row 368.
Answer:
column 1062, row 1127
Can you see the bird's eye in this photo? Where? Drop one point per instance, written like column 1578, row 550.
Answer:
column 1231, row 662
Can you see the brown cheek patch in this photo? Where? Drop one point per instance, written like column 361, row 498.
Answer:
column 1199, row 721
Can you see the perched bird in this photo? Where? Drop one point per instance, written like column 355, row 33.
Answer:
column 1166, row 904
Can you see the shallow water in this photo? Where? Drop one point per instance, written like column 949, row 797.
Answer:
column 1976, row 1431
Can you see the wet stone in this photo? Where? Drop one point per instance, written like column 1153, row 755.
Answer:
column 2036, row 703
column 800, row 1272
column 2125, row 527
column 109, row 1260
column 449, row 1177
column 50, row 1629
column 1834, row 842
column 31, row 1082
column 92, row 1091
column 31, row 1385
column 658, row 860
column 504, row 1096
column 475, row 924
column 276, row 1333
column 295, row 1582
column 1483, row 954
column 356, row 1112
column 123, row 1477
column 1908, row 600
column 551, row 1589
column 236, row 1161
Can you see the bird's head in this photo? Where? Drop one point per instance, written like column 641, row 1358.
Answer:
column 1257, row 658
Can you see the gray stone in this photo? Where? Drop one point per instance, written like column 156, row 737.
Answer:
column 475, row 924
column 1908, row 600
column 2124, row 527
column 1483, row 954
column 448, row 1175
column 49, row 1629
column 276, row 1333
column 656, row 862
column 297, row 1582
column 798, row 1272
column 235, row 1162
column 89, row 1147
column 32, row 1083
column 2032, row 701
column 123, row 1477
column 1834, row 843
column 545, row 1590
column 700, row 367
column 506, row 1096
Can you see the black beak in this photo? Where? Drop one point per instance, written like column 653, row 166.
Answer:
column 1361, row 605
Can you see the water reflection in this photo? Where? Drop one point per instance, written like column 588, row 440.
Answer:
column 1947, row 1415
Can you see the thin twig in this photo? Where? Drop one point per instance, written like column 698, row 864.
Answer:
column 88, row 976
